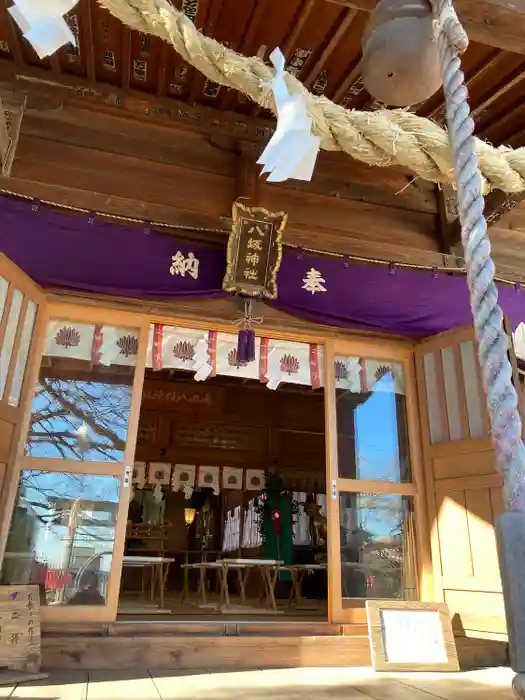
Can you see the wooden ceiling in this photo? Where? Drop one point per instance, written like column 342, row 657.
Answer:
column 321, row 40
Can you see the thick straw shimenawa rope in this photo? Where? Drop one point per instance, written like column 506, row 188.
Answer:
column 381, row 138
column 502, row 400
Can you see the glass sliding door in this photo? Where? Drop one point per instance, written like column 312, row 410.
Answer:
column 71, row 496
column 372, row 470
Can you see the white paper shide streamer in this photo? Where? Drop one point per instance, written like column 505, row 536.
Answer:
column 42, row 23
column 292, row 150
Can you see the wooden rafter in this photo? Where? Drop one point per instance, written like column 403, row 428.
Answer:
column 497, row 23
column 126, row 58
column 211, row 23
column 230, row 97
column 297, row 27
column 341, row 30
column 162, row 76
column 86, row 29
column 496, row 59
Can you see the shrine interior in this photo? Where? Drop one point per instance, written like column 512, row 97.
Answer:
column 269, row 447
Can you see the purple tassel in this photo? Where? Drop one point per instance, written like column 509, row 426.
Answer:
column 245, row 346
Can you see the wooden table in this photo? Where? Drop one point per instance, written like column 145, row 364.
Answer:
column 298, row 572
column 268, row 568
column 159, row 568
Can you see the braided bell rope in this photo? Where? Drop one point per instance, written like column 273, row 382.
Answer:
column 381, row 138
column 502, row 400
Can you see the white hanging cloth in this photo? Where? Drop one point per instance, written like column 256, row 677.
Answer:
column 208, row 477
column 139, row 474
column 232, row 478
column 183, row 477
column 159, row 473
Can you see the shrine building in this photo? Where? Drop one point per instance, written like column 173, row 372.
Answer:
column 231, row 410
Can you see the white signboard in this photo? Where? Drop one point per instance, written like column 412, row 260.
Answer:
column 421, row 633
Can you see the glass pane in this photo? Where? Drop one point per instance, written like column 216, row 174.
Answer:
column 62, row 535
column 371, row 420
column 377, row 547
column 9, row 338
column 23, row 352
column 473, row 390
column 451, row 393
column 83, row 396
column 432, row 396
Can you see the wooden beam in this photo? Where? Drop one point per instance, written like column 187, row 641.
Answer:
column 497, row 23
column 41, row 83
column 247, row 180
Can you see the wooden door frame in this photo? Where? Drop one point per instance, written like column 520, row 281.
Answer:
column 378, row 349
column 83, row 314
column 19, row 280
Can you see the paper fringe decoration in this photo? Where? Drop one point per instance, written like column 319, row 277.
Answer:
column 42, row 23
column 292, row 150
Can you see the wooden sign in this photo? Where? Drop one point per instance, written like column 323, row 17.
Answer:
column 409, row 636
column 20, row 628
column 254, row 251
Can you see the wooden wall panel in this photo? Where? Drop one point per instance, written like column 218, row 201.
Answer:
column 97, row 160
column 464, row 493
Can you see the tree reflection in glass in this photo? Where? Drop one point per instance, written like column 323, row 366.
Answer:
column 377, row 546
column 62, row 535
column 83, row 418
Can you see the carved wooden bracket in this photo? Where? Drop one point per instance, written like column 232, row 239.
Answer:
column 497, row 205
column 12, row 108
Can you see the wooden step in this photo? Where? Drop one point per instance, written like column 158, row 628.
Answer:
column 89, row 652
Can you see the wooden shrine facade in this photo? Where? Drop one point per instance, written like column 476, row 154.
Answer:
column 124, row 129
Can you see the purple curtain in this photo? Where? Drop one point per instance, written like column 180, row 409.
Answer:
column 84, row 254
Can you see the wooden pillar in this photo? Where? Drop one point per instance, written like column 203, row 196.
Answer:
column 248, row 181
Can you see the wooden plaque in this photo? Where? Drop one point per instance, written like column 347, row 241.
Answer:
column 20, row 628
column 254, row 251
column 409, row 636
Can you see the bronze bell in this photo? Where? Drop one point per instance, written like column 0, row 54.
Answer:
column 400, row 64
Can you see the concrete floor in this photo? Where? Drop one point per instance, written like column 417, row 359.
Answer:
column 287, row 684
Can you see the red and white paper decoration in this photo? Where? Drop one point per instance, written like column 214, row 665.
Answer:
column 226, row 358
column 208, row 354
column 360, row 375
column 232, row 478
column 98, row 344
column 171, row 347
column 208, row 477
column 291, row 363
